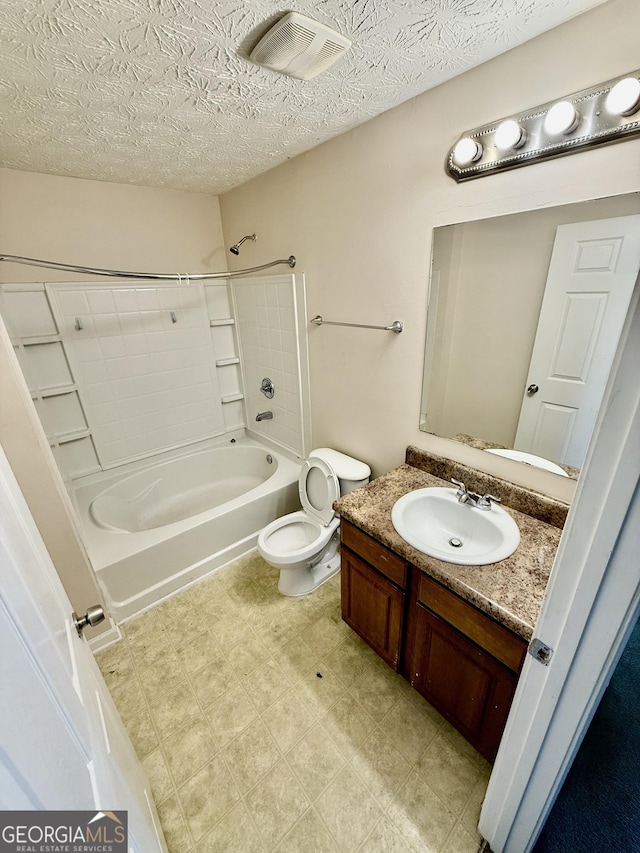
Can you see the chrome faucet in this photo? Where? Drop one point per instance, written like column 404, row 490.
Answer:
column 462, row 494
column 264, row 416
column 481, row 501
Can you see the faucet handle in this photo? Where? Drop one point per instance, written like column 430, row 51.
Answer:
column 462, row 494
column 486, row 501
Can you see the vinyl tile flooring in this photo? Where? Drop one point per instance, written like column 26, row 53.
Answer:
column 265, row 724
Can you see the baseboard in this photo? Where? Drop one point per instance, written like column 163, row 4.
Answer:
column 107, row 638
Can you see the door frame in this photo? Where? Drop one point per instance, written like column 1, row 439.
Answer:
column 591, row 605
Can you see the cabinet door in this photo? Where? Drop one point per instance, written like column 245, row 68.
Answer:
column 372, row 606
column 469, row 687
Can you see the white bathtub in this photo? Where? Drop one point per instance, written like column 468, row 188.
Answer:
column 151, row 530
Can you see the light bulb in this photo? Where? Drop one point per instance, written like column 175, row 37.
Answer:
column 624, row 97
column 466, row 151
column 561, row 118
column 508, row 135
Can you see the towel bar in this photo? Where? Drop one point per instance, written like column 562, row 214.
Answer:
column 396, row 326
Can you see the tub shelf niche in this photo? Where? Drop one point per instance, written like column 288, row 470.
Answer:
column 75, row 435
column 75, row 454
column 233, row 411
column 36, row 340
column 40, row 350
column 226, row 356
column 53, row 391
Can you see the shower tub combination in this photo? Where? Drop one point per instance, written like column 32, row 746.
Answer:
column 154, row 528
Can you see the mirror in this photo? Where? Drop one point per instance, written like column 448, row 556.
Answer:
column 488, row 315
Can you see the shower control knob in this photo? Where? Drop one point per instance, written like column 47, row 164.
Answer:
column 93, row 616
column 532, row 389
column 267, row 387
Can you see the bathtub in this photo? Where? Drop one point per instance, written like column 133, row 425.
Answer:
column 153, row 528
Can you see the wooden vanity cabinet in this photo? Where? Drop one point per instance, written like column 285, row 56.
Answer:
column 373, row 598
column 462, row 661
column 465, row 664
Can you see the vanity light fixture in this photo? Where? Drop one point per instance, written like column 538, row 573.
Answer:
column 509, row 134
column 562, row 118
column 609, row 112
column 467, row 151
column 624, row 97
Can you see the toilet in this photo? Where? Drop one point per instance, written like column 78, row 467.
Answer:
column 304, row 545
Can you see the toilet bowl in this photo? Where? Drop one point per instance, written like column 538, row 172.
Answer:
column 304, row 545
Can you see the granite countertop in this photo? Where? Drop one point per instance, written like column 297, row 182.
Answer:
column 510, row 591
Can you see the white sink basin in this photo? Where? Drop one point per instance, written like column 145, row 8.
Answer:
column 435, row 523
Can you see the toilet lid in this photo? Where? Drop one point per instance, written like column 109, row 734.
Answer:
column 319, row 488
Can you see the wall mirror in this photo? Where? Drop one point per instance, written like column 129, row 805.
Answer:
column 525, row 312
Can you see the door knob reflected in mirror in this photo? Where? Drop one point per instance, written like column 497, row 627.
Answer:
column 532, row 389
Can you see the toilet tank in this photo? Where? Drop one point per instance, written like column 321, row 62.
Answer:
column 351, row 473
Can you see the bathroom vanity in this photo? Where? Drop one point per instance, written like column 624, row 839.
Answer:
column 458, row 634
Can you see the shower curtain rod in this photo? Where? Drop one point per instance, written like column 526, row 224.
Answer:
column 52, row 265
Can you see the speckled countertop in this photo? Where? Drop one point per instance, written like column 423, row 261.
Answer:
column 510, row 591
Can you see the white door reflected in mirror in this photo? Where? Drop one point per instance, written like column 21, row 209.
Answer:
column 591, row 276
column 485, row 297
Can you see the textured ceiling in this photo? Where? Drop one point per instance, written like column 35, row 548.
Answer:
column 160, row 92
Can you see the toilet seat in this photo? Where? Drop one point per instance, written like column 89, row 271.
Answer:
column 295, row 538
column 301, row 537
column 305, row 545
column 318, row 487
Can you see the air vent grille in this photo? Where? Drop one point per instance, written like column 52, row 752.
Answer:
column 299, row 47
column 283, row 45
column 327, row 55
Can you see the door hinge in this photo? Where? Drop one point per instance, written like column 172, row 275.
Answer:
column 540, row 651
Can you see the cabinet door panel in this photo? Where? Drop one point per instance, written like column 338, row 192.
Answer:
column 469, row 687
column 456, row 679
column 372, row 606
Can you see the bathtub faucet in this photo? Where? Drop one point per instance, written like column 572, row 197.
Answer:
column 264, row 416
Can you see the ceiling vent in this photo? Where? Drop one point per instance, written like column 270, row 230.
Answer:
column 299, row 47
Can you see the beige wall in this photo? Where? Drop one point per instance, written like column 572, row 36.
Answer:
column 105, row 225
column 358, row 213
column 102, row 225
column 497, row 286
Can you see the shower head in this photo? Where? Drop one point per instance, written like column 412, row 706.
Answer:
column 235, row 249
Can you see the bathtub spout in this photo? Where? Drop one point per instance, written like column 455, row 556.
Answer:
column 264, row 416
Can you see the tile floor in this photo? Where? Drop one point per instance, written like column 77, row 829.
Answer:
column 265, row 724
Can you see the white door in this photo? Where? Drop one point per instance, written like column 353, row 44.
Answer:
column 62, row 744
column 589, row 611
column 593, row 269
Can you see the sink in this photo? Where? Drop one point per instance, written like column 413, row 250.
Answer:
column 529, row 459
column 435, row 523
